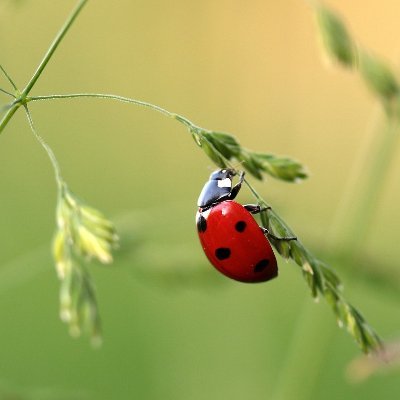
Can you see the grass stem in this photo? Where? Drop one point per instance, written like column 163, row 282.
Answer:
column 374, row 176
column 8, row 77
column 9, row 114
column 57, row 40
column 46, row 147
column 22, row 97
column 6, row 92
column 103, row 96
column 305, row 354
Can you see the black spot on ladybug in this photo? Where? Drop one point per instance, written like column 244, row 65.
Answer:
column 240, row 226
column 201, row 224
column 222, row 253
column 261, row 265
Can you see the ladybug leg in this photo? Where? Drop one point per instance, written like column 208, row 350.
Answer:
column 268, row 233
column 255, row 208
column 235, row 190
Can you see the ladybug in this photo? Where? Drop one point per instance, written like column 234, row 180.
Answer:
column 231, row 238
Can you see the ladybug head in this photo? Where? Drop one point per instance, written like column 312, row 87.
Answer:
column 222, row 174
column 217, row 189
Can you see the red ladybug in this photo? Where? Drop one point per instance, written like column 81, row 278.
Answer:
column 231, row 238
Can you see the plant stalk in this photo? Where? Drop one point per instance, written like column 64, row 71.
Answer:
column 47, row 148
column 8, row 77
column 9, row 114
column 366, row 200
column 306, row 352
column 57, row 40
column 106, row 96
column 189, row 124
column 22, row 98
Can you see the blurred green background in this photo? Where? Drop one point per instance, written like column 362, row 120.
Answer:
column 174, row 328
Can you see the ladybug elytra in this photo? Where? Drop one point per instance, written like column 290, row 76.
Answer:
column 231, row 238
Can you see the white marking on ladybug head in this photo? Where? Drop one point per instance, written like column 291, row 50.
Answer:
column 223, row 183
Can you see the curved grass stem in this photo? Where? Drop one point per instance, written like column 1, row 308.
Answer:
column 47, row 148
column 183, row 120
column 102, row 96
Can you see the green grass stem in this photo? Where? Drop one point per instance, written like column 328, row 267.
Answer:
column 305, row 355
column 8, row 77
column 103, row 96
column 46, row 147
column 53, row 47
column 366, row 200
column 59, row 37
column 6, row 92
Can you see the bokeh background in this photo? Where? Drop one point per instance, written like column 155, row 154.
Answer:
column 174, row 328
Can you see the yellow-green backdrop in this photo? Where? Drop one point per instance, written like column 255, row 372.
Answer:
column 174, row 328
